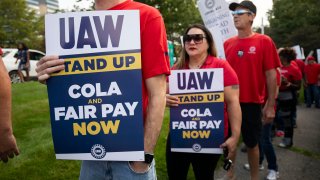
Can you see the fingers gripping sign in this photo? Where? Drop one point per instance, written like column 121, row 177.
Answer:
column 48, row 65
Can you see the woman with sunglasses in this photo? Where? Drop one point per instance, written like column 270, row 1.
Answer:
column 199, row 52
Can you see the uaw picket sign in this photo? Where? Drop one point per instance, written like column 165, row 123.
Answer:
column 96, row 112
column 197, row 124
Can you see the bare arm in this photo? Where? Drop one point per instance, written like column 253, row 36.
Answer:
column 156, row 87
column 295, row 85
column 8, row 145
column 231, row 94
column 268, row 110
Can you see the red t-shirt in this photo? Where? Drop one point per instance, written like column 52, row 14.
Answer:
column 250, row 58
column 301, row 65
column 229, row 78
column 1, row 52
column 292, row 73
column 154, row 48
column 311, row 72
column 294, row 63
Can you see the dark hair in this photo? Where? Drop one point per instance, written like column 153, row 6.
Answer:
column 211, row 50
column 288, row 54
column 24, row 46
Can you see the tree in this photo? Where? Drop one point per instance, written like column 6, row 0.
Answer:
column 295, row 22
column 20, row 24
column 177, row 15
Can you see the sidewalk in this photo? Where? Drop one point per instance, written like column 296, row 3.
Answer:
column 302, row 161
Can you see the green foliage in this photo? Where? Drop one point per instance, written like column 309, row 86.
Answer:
column 177, row 15
column 295, row 22
column 20, row 24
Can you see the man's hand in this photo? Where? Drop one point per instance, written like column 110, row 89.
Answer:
column 231, row 145
column 8, row 146
column 139, row 166
column 171, row 100
column 268, row 114
column 48, row 65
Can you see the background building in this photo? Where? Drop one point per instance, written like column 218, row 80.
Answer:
column 43, row 6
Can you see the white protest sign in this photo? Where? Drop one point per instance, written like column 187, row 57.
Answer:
column 196, row 81
column 82, row 32
column 218, row 19
column 96, row 113
column 298, row 51
column 197, row 124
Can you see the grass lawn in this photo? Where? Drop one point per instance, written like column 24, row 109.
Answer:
column 32, row 129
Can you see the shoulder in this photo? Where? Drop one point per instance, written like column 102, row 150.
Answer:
column 215, row 62
column 230, row 40
column 145, row 10
column 263, row 38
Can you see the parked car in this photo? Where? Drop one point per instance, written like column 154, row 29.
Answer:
column 12, row 68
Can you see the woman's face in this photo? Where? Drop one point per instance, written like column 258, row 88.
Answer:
column 20, row 46
column 196, row 43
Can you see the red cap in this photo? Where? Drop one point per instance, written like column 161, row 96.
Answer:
column 311, row 58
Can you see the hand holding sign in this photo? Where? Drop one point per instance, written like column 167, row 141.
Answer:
column 171, row 100
column 48, row 65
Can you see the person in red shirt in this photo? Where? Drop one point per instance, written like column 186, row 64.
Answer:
column 301, row 66
column 254, row 58
column 290, row 83
column 312, row 71
column 8, row 145
column 200, row 53
column 155, row 67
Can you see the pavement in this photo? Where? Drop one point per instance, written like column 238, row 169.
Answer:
column 300, row 162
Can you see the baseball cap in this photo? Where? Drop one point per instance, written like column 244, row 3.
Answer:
column 311, row 58
column 246, row 4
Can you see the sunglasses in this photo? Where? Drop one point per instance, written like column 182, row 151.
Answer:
column 241, row 12
column 197, row 38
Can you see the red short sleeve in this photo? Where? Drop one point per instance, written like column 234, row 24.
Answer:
column 230, row 76
column 271, row 59
column 1, row 52
column 155, row 59
column 296, row 74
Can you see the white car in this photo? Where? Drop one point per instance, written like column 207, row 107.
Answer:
column 12, row 67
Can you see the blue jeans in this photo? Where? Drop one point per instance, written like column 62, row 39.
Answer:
column 266, row 148
column 313, row 95
column 114, row 170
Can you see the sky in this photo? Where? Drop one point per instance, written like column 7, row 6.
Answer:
column 262, row 7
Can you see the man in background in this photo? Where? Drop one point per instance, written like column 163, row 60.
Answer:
column 254, row 58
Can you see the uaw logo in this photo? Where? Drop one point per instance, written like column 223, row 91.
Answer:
column 240, row 53
column 252, row 50
column 210, row 4
column 98, row 151
column 196, row 147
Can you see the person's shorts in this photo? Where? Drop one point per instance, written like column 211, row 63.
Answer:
column 23, row 66
column 251, row 123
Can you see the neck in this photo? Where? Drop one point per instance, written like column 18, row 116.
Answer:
column 106, row 4
column 244, row 33
column 197, row 61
